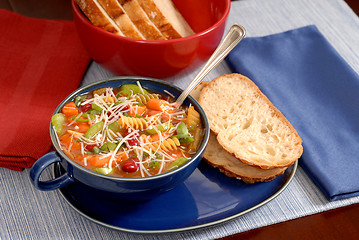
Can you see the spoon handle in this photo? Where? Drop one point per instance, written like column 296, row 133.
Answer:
column 235, row 34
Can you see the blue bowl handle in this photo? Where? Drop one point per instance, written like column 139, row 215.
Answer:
column 40, row 165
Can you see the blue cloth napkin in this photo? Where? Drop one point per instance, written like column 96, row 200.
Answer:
column 318, row 92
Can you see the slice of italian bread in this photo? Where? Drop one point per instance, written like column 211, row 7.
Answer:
column 118, row 15
column 247, row 124
column 166, row 17
column 217, row 157
column 140, row 20
column 98, row 16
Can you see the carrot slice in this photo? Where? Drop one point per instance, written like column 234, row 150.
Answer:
column 158, row 104
column 156, row 137
column 98, row 161
column 139, row 110
column 70, row 109
column 67, row 140
column 101, row 161
column 83, row 127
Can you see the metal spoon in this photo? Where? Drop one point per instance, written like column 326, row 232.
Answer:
column 235, row 34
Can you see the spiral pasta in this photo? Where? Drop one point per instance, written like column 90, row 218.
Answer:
column 136, row 123
column 144, row 97
column 128, row 131
column 167, row 145
column 193, row 117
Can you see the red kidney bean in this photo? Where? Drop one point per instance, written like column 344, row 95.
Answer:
column 130, row 165
column 86, row 107
column 133, row 141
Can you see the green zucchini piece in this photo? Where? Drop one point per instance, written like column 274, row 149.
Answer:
column 108, row 146
column 177, row 163
column 58, row 120
column 183, row 134
column 96, row 107
column 103, row 171
column 115, row 127
column 161, row 127
column 182, row 129
column 94, row 129
column 130, row 89
column 184, row 138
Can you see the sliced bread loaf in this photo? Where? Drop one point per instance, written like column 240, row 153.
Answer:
column 141, row 20
column 98, row 16
column 118, row 15
column 247, row 124
column 166, row 18
column 216, row 156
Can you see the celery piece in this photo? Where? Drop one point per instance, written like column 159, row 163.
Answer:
column 183, row 134
column 85, row 119
column 139, row 116
column 79, row 100
column 115, row 127
column 108, row 146
column 58, row 120
column 177, row 163
column 126, row 93
column 131, row 88
column 182, row 129
column 184, row 138
column 153, row 164
column 94, row 112
column 161, row 127
column 96, row 107
column 93, row 130
column 95, row 150
column 103, row 171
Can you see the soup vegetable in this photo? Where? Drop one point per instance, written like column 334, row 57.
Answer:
column 127, row 131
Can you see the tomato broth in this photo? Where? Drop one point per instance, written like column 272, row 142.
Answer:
column 128, row 131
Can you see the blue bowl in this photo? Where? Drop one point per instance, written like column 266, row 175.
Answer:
column 137, row 189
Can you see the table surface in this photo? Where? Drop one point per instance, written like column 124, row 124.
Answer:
column 338, row 220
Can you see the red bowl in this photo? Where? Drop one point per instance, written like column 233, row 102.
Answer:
column 160, row 58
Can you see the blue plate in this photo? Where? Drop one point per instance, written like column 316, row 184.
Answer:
column 206, row 198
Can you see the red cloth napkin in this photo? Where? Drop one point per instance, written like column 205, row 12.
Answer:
column 42, row 61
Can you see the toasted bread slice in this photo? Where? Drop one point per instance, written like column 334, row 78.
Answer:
column 118, row 15
column 98, row 16
column 247, row 124
column 166, row 18
column 141, row 20
column 216, row 156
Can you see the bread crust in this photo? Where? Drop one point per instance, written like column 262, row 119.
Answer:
column 118, row 15
column 250, row 130
column 216, row 156
column 98, row 16
column 166, row 27
column 141, row 20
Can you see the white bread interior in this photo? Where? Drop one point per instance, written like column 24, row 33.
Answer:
column 141, row 20
column 247, row 124
column 137, row 19
column 118, row 15
column 98, row 16
column 166, row 17
column 217, row 157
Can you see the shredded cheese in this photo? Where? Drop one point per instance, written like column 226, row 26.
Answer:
column 113, row 108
